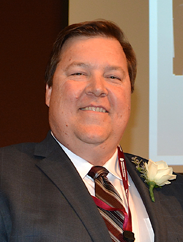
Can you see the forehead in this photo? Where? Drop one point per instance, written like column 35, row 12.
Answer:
column 82, row 38
column 91, row 44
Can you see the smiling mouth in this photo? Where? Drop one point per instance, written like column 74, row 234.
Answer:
column 95, row 109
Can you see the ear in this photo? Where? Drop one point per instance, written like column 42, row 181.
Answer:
column 48, row 95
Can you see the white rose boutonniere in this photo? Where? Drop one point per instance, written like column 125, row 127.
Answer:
column 155, row 174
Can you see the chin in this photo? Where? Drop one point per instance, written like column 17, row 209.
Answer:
column 93, row 138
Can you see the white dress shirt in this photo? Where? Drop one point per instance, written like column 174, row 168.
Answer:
column 141, row 225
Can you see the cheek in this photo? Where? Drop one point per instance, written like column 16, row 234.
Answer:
column 122, row 101
column 71, row 90
column 65, row 99
column 123, row 110
column 127, row 104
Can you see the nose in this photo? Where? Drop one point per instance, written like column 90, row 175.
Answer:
column 97, row 86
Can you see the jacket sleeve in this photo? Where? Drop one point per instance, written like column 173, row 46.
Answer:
column 5, row 219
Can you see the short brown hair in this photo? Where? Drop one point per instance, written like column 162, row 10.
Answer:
column 91, row 28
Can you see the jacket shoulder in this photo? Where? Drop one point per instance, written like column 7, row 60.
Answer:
column 17, row 150
column 130, row 156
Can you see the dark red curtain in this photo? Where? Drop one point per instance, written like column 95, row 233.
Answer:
column 27, row 32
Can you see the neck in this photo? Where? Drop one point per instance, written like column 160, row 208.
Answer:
column 94, row 154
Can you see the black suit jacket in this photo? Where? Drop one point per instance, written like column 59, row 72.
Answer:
column 43, row 198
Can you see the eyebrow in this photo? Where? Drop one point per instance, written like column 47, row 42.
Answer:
column 80, row 64
column 111, row 68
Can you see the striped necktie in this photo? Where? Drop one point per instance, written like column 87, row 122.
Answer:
column 113, row 213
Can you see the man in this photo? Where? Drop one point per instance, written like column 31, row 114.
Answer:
column 45, row 187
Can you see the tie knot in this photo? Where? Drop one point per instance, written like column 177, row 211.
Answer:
column 97, row 171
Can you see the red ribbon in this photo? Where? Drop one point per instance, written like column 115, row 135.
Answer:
column 107, row 207
column 127, row 225
column 123, row 170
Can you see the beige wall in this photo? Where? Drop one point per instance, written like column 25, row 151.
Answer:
column 133, row 18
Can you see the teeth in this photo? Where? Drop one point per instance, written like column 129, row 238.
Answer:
column 95, row 109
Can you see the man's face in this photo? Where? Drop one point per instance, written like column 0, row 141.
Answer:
column 89, row 101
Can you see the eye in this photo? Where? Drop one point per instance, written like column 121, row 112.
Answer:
column 115, row 77
column 77, row 74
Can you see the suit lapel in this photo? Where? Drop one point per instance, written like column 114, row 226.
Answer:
column 58, row 167
column 154, row 209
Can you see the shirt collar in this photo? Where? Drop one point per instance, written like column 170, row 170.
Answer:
column 84, row 166
column 112, row 165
